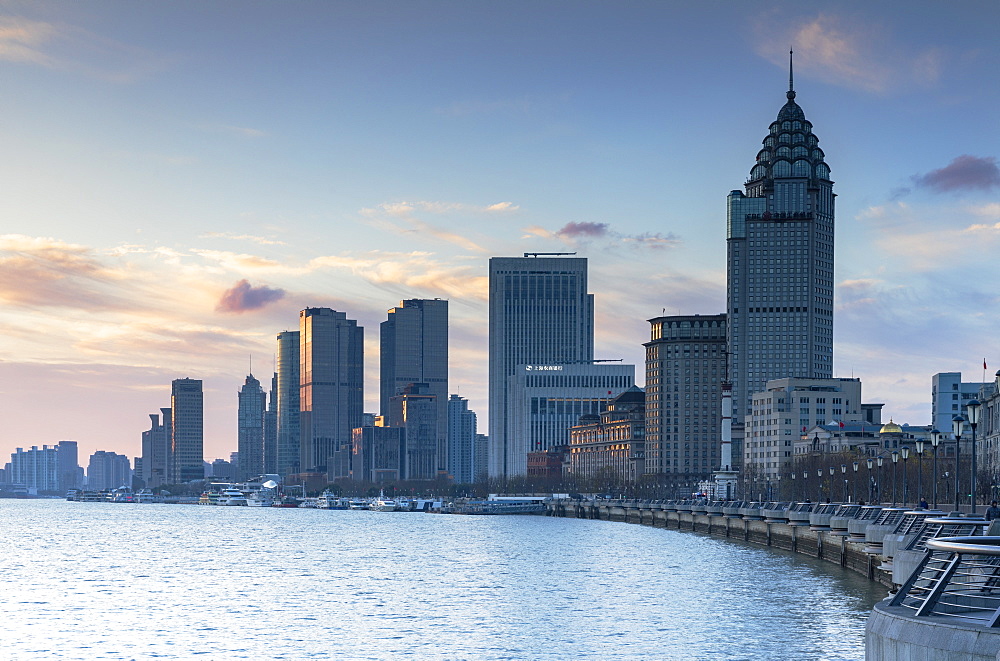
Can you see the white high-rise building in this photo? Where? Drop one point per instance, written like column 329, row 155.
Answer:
column 540, row 314
column 780, row 263
column 783, row 411
column 949, row 397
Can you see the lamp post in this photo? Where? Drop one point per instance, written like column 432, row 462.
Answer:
column 895, row 460
column 878, row 485
column 956, row 428
column 843, row 474
column 972, row 408
column 829, row 492
column 854, row 486
column 805, row 485
column 905, row 453
column 935, row 442
column 871, row 483
column 819, row 485
column 920, row 470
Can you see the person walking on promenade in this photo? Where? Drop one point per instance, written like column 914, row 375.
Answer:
column 992, row 512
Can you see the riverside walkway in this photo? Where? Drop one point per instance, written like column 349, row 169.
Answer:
column 942, row 569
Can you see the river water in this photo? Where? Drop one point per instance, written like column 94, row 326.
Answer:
column 123, row 581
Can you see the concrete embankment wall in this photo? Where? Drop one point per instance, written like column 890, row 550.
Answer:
column 821, row 544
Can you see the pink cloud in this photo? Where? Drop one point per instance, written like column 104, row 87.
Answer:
column 242, row 297
column 964, row 173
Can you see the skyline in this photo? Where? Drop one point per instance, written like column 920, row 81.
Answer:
column 184, row 178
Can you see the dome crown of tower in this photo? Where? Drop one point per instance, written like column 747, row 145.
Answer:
column 791, row 149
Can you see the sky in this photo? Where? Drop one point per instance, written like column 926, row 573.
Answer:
column 181, row 178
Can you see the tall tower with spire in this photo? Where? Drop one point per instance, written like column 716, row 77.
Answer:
column 780, row 263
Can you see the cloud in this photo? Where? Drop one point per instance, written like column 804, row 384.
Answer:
column 402, row 273
column 242, row 297
column 588, row 230
column 964, row 173
column 850, row 51
column 264, row 241
column 69, row 48
column 574, row 233
column 44, row 272
column 409, row 212
column 241, row 261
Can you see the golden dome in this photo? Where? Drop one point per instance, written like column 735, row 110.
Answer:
column 891, row 428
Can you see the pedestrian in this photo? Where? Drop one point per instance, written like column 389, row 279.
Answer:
column 923, row 503
column 992, row 512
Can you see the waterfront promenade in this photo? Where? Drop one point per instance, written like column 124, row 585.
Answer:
column 944, row 602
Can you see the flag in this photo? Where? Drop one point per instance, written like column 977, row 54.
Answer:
column 984, row 364
column 841, row 424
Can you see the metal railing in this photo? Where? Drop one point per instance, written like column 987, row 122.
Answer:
column 938, row 527
column 959, row 579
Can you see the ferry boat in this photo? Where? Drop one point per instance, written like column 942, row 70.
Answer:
column 260, row 498
column 147, row 496
column 357, row 504
column 383, row 504
column 231, row 496
column 329, row 501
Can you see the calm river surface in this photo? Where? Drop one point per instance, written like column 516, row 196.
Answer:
column 118, row 581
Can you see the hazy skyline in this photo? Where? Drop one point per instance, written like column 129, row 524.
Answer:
column 182, row 178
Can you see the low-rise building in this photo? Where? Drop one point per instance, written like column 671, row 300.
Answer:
column 612, row 442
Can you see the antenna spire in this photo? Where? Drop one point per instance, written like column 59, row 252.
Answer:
column 791, row 85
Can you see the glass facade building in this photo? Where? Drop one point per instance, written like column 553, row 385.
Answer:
column 413, row 347
column 331, row 376
column 540, row 314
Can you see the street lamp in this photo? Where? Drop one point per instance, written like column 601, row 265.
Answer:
column 905, row 452
column 920, row 470
column 805, row 485
column 871, row 484
column 956, row 428
column 829, row 495
column 895, row 460
column 843, row 473
column 878, row 485
column 972, row 408
column 819, row 485
column 935, row 442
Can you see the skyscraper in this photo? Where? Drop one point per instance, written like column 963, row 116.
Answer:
column 416, row 410
column 187, row 438
column 414, row 349
column 780, row 262
column 250, row 432
column 461, row 440
column 685, row 368
column 108, row 470
column 156, row 461
column 540, row 314
column 271, row 428
column 289, row 441
column 332, row 389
